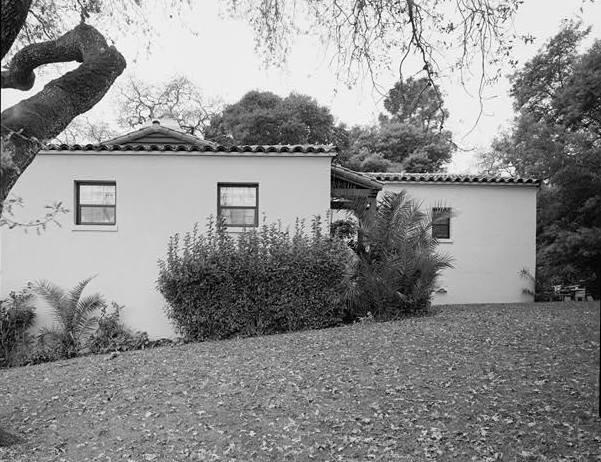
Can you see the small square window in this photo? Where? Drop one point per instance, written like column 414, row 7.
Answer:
column 95, row 203
column 238, row 204
column 441, row 223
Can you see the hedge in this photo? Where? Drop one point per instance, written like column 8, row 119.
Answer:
column 264, row 281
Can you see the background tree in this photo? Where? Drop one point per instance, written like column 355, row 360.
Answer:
column 83, row 130
column 266, row 118
column 177, row 98
column 416, row 102
column 556, row 136
column 409, row 138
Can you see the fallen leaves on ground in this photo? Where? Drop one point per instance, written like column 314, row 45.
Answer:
column 483, row 383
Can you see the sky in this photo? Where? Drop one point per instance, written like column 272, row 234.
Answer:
column 220, row 59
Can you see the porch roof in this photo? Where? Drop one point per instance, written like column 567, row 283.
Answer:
column 345, row 178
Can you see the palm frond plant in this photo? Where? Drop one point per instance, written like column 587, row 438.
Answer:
column 74, row 316
column 396, row 261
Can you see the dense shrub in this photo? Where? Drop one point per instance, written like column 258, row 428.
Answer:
column 396, row 262
column 113, row 335
column 345, row 229
column 265, row 281
column 16, row 317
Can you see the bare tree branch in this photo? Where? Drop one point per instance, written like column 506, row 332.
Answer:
column 38, row 224
column 83, row 130
column 178, row 99
column 368, row 35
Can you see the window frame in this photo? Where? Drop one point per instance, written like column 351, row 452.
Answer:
column 447, row 211
column 78, row 204
column 241, row 185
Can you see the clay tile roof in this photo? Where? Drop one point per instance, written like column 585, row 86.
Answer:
column 157, row 137
column 404, row 177
column 303, row 149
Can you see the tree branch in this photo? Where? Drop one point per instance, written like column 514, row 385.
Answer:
column 47, row 113
column 13, row 15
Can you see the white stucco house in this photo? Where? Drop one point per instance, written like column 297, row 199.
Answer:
column 128, row 195
column 489, row 230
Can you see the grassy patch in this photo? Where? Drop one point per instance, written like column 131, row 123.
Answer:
column 487, row 382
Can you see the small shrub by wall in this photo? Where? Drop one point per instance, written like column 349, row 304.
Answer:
column 17, row 315
column 75, row 319
column 77, row 330
column 113, row 335
column 264, row 281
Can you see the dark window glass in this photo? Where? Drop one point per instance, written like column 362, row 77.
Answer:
column 441, row 223
column 238, row 204
column 95, row 203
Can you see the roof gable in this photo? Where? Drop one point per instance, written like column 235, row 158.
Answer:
column 158, row 139
column 157, row 135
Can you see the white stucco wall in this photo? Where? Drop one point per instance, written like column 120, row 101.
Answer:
column 493, row 236
column 157, row 195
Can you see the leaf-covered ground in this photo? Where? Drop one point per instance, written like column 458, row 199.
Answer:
column 488, row 382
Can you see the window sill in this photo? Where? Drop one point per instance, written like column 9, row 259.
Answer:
column 445, row 241
column 103, row 228
column 240, row 229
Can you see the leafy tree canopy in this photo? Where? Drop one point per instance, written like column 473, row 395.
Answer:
column 556, row 136
column 262, row 117
column 409, row 138
column 416, row 101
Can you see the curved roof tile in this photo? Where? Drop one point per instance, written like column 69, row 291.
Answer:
column 304, row 148
column 448, row 178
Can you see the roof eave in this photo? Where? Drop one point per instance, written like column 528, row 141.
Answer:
column 451, row 179
column 187, row 151
column 356, row 177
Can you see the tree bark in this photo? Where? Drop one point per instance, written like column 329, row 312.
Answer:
column 45, row 115
column 12, row 15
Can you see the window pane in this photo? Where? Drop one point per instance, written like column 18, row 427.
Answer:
column 97, row 194
column 239, row 217
column 238, row 196
column 441, row 223
column 441, row 231
column 96, row 215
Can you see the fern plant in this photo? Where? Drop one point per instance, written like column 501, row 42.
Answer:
column 74, row 316
column 396, row 261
